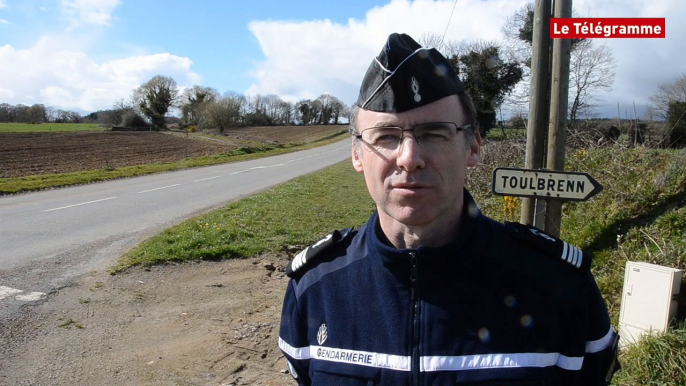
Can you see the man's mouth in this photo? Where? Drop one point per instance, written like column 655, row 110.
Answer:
column 409, row 186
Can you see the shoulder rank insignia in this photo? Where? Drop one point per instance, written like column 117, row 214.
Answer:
column 554, row 246
column 308, row 254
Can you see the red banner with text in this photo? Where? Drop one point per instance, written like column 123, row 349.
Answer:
column 594, row 28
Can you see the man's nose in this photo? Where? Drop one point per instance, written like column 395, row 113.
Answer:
column 409, row 155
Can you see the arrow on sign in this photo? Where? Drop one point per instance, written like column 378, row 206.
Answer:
column 568, row 186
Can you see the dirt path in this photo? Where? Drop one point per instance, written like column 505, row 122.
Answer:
column 209, row 323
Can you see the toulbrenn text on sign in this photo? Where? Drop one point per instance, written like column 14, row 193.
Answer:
column 544, row 184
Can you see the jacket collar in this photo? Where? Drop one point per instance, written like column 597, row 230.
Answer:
column 471, row 216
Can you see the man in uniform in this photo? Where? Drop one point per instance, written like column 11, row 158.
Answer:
column 430, row 291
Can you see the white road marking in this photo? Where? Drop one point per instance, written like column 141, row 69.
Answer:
column 83, row 203
column 265, row 167
column 164, row 187
column 30, row 297
column 242, row 171
column 7, row 291
column 208, row 178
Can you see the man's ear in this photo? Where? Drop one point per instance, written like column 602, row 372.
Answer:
column 357, row 161
column 474, row 156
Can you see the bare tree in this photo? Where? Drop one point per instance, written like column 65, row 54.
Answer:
column 37, row 113
column 119, row 109
column 254, row 104
column 449, row 47
column 6, row 112
column 328, row 103
column 668, row 93
column 225, row 112
column 432, row 40
column 337, row 109
column 271, row 108
column 591, row 69
column 286, row 113
column 518, row 31
column 591, row 64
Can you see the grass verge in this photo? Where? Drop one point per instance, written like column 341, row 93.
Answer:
column 31, row 183
column 657, row 360
column 293, row 214
column 11, row 127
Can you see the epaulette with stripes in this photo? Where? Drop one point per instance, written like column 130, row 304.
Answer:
column 553, row 246
column 307, row 256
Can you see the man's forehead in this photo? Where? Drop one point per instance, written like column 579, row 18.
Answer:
column 447, row 109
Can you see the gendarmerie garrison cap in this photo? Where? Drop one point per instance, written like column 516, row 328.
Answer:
column 405, row 76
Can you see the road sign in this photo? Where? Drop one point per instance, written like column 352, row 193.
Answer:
column 549, row 184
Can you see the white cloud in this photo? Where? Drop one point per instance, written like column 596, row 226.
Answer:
column 6, row 94
column 80, row 12
column 304, row 59
column 55, row 75
column 3, row 4
column 4, row 23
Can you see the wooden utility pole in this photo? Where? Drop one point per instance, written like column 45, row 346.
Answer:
column 557, row 130
column 538, row 101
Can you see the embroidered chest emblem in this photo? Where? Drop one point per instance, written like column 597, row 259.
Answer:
column 415, row 89
column 322, row 334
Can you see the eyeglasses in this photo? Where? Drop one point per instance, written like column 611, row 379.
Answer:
column 430, row 135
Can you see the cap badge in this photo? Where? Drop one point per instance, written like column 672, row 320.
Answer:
column 415, row 89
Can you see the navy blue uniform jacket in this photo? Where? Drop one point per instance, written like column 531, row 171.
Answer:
column 490, row 308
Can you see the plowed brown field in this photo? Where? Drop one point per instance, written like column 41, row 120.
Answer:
column 24, row 154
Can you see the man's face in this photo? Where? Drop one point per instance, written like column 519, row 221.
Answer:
column 417, row 185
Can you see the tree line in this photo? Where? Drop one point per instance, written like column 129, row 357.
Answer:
column 37, row 113
column 203, row 107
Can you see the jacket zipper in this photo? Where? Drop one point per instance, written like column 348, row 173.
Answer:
column 414, row 277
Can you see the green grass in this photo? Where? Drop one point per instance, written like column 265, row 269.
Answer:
column 47, row 127
column 639, row 216
column 658, row 360
column 296, row 213
column 31, row 183
column 68, row 323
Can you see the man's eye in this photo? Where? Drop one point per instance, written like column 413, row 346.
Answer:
column 436, row 135
column 385, row 135
column 386, row 138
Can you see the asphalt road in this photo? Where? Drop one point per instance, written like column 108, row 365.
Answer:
column 48, row 238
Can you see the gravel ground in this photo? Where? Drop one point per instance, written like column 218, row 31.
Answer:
column 208, row 323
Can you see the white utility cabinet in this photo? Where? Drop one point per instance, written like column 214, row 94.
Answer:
column 649, row 300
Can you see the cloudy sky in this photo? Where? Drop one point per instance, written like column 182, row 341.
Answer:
column 85, row 54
